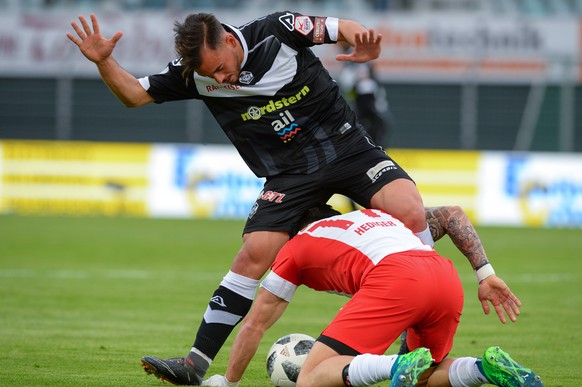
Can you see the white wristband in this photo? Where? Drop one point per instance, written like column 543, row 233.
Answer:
column 484, row 272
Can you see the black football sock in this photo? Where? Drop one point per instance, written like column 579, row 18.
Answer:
column 225, row 310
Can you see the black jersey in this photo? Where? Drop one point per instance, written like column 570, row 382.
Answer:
column 285, row 114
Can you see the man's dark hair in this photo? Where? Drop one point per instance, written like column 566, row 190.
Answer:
column 311, row 215
column 199, row 30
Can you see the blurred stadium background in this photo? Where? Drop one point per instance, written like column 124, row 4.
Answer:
column 483, row 98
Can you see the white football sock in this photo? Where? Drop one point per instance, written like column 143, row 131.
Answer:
column 240, row 284
column 368, row 369
column 465, row 373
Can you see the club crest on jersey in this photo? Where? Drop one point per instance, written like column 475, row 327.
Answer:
column 246, row 77
column 303, row 24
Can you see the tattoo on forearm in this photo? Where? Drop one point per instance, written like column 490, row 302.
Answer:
column 453, row 221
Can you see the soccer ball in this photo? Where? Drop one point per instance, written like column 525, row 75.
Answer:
column 286, row 356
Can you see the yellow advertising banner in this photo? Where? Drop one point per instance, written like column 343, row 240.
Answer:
column 212, row 181
column 74, row 178
column 443, row 177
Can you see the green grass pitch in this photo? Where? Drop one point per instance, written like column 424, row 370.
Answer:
column 83, row 299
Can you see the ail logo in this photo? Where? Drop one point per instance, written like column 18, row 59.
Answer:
column 285, row 126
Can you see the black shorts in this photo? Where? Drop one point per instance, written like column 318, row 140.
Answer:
column 285, row 198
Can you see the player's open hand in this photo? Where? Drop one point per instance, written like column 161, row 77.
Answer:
column 366, row 47
column 92, row 44
column 494, row 290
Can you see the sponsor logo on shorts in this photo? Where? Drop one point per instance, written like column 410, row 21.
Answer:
column 253, row 210
column 376, row 171
column 266, row 196
column 272, row 196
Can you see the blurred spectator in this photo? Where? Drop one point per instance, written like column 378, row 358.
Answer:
column 381, row 5
column 361, row 87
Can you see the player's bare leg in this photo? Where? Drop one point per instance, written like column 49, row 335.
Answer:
column 229, row 304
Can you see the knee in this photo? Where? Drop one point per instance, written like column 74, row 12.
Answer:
column 401, row 199
column 258, row 252
column 409, row 211
column 415, row 218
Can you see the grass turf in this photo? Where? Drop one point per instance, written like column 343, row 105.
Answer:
column 83, row 299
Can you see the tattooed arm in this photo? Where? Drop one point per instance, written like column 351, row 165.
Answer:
column 453, row 221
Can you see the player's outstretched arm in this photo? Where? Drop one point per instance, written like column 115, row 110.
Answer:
column 453, row 221
column 366, row 42
column 98, row 49
column 266, row 310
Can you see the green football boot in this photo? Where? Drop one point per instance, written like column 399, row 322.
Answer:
column 408, row 367
column 502, row 370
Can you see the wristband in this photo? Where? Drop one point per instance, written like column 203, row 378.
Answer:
column 484, row 272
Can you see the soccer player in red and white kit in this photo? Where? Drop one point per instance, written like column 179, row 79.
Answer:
column 396, row 283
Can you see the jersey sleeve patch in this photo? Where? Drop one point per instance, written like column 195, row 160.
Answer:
column 303, row 25
column 287, row 20
column 319, row 30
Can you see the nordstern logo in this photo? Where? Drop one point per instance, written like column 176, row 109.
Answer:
column 256, row 112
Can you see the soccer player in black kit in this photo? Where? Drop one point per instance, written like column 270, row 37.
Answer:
column 286, row 117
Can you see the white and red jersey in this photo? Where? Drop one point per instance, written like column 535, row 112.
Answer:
column 335, row 254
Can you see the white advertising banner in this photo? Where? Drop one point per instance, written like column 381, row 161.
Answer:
column 36, row 44
column 209, row 181
column 530, row 189
column 479, row 49
column 430, row 47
